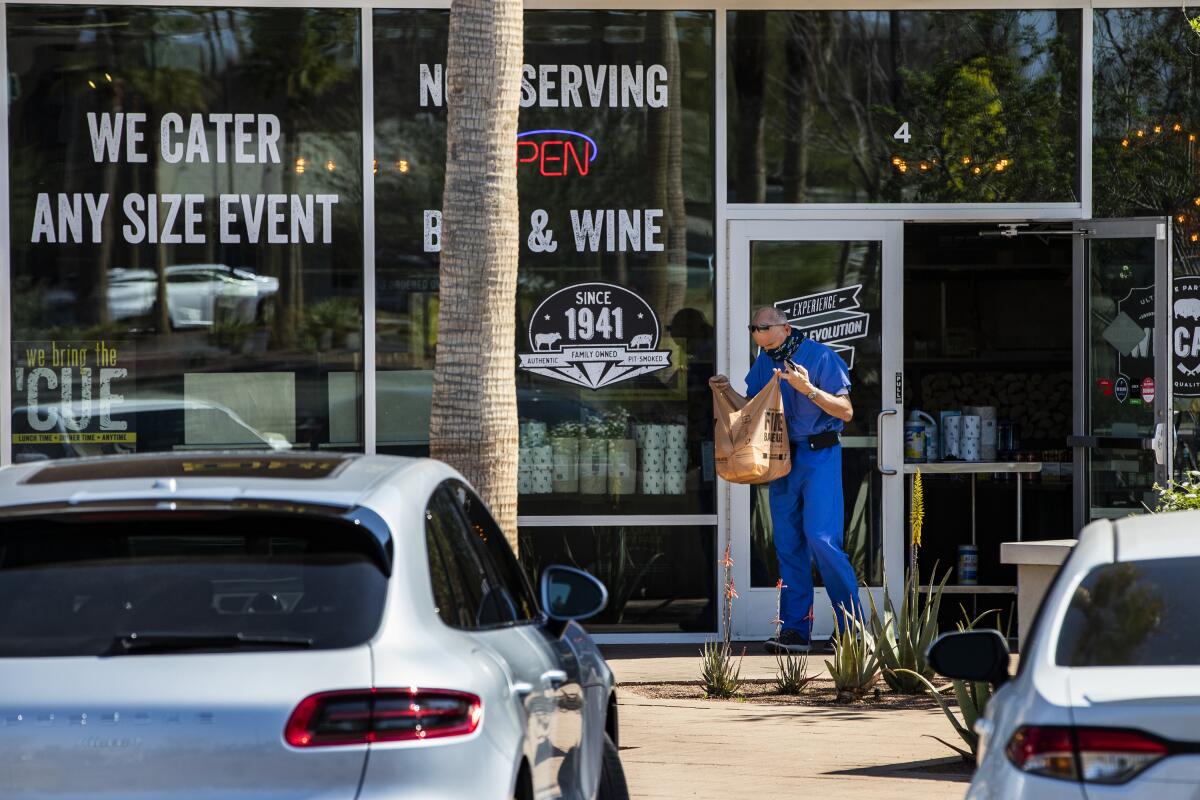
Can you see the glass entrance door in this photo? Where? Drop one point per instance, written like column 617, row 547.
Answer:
column 840, row 283
column 1123, row 365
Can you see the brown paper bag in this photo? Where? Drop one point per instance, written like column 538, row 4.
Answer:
column 751, row 437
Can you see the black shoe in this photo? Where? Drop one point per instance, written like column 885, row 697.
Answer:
column 788, row 641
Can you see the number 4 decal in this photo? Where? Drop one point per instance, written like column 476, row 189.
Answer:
column 902, row 133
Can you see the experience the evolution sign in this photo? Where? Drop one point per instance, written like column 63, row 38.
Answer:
column 830, row 318
column 594, row 335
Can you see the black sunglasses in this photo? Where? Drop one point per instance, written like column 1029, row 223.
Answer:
column 762, row 328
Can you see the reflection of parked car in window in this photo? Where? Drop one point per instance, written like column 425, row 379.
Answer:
column 162, row 423
column 197, row 294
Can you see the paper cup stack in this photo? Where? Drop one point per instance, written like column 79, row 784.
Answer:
column 654, row 459
column 532, row 433
column 969, row 446
column 566, row 464
column 987, row 431
column 622, row 466
column 951, row 434
column 675, row 474
column 535, row 470
column 593, row 466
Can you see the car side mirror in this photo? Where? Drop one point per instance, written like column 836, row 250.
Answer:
column 571, row 594
column 971, row 656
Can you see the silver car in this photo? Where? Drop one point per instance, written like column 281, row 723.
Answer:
column 287, row 626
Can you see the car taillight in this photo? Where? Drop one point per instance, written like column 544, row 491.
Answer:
column 382, row 715
column 1091, row 755
column 1044, row 750
column 1115, row 756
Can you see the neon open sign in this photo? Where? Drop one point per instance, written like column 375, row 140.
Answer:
column 563, row 153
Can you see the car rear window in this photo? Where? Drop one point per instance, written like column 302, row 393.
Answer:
column 1136, row 613
column 71, row 587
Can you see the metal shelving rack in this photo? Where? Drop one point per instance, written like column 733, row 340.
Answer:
column 974, row 468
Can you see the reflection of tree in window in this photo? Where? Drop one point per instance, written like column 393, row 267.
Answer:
column 1120, row 611
column 1147, row 122
column 983, row 105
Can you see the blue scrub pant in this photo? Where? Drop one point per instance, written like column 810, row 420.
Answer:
column 807, row 517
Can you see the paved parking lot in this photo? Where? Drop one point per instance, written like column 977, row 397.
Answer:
column 729, row 750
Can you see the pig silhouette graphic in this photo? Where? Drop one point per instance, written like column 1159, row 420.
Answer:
column 1189, row 308
column 545, row 340
column 642, row 341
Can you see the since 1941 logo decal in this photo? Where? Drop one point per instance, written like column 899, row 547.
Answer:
column 594, row 335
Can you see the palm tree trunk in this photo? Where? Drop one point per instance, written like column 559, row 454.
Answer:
column 473, row 425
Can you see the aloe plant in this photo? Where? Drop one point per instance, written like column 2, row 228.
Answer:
column 972, row 698
column 792, row 677
column 855, row 666
column 718, row 675
column 901, row 639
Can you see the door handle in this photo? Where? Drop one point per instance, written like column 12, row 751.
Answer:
column 554, row 678
column 879, row 441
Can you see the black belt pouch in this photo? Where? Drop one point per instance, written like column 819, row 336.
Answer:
column 820, row 441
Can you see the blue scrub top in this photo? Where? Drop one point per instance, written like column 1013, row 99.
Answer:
column 826, row 371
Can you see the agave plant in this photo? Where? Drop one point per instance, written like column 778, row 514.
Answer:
column 901, row 639
column 855, row 667
column 972, row 698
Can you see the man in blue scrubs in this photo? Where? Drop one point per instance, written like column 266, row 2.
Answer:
column 806, row 504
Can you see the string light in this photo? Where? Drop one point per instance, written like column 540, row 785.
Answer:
column 108, row 77
column 299, row 166
column 1193, row 236
column 402, row 166
column 92, row 84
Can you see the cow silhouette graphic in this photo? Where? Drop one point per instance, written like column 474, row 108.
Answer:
column 546, row 339
column 1189, row 308
column 643, row 341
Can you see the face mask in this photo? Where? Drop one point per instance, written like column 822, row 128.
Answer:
column 790, row 345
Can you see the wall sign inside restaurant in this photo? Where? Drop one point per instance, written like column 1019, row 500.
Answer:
column 594, row 335
column 71, row 393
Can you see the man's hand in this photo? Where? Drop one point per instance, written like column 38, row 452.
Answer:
column 718, row 383
column 797, row 378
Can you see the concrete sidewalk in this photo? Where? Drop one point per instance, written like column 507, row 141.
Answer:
column 730, row 750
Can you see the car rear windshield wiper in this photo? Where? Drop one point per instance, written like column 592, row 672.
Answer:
column 155, row 642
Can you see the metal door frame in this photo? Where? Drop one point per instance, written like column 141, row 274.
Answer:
column 1159, row 229
column 749, row 621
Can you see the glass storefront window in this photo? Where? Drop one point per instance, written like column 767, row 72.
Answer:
column 660, row 578
column 616, row 310
column 186, row 206
column 903, row 106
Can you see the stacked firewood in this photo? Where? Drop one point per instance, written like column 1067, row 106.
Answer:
column 1038, row 402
